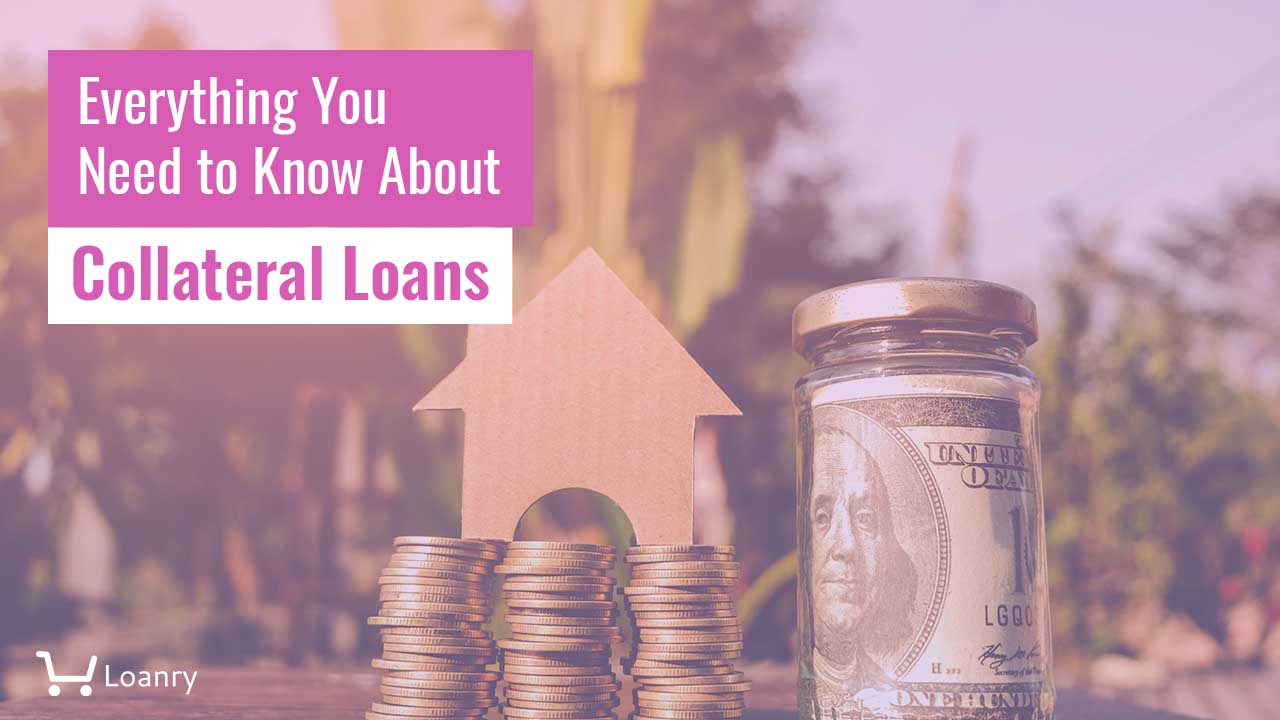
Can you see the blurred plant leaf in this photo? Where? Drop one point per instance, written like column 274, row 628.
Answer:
column 713, row 236
column 415, row 25
column 423, row 350
column 618, row 42
column 781, row 574
column 14, row 454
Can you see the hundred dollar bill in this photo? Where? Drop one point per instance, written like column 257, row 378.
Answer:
column 923, row 590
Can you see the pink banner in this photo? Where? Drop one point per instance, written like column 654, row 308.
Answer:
column 290, row 138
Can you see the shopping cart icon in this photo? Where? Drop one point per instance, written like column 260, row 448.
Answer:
column 54, row 678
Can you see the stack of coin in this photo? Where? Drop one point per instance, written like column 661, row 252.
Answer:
column 687, row 633
column 557, row 664
column 435, row 601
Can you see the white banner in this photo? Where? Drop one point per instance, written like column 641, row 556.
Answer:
column 279, row 276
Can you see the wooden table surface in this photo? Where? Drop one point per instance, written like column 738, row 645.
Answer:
column 248, row 694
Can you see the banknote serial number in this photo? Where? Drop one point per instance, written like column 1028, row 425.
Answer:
column 1003, row 615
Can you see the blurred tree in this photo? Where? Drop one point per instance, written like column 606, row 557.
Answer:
column 31, row 398
column 1227, row 264
column 1151, row 453
column 954, row 255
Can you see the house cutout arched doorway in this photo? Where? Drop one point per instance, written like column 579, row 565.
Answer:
column 575, row 515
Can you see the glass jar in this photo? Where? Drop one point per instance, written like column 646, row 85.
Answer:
column 922, row 584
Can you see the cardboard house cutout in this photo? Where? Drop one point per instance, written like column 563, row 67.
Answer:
column 585, row 389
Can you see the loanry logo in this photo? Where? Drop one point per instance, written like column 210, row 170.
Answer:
column 126, row 679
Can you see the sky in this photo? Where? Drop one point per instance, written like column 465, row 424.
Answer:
column 1125, row 110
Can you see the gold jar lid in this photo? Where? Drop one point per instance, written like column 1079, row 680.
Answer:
column 946, row 299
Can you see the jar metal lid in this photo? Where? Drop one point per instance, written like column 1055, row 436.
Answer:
column 924, row 298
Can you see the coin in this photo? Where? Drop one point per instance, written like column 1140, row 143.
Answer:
column 535, row 571
column 436, row 632
column 432, row 615
column 713, row 584
column 691, row 647
column 542, row 545
column 456, row 598
column 705, row 688
column 723, row 678
column 591, row 708
column 536, row 714
column 710, row 574
column 433, row 606
column 669, row 636
column 397, row 651
column 423, row 622
column 644, row 675
column 559, row 645
column 589, row 642
column 577, row 691
column 436, row 636
column 566, row 630
column 479, row 546
column 381, row 709
column 659, row 714
column 671, row 590
column 541, row 617
column 560, row 607
column 692, row 702
column 414, row 586
column 709, row 666
column 436, row 692
column 531, row 560
column 406, row 684
column 430, row 664
column 585, row 668
column 584, row 680
column 650, row 604
column 480, row 564
column 594, row 596
column 642, row 550
column 436, row 662
column 522, row 552
column 444, row 676
column 679, row 611
column 556, row 588
column 558, row 696
column 681, row 656
column 687, row 633
column 685, row 700
column 723, row 623
column 448, row 703
column 649, row 558
column 560, row 604
column 669, row 694
column 435, row 565
column 434, row 595
column 464, row 577
column 596, row 580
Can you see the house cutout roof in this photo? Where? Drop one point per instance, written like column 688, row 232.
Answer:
column 584, row 389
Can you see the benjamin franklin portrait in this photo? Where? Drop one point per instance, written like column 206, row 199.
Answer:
column 862, row 584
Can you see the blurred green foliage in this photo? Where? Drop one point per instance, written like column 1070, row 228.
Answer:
column 1160, row 456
